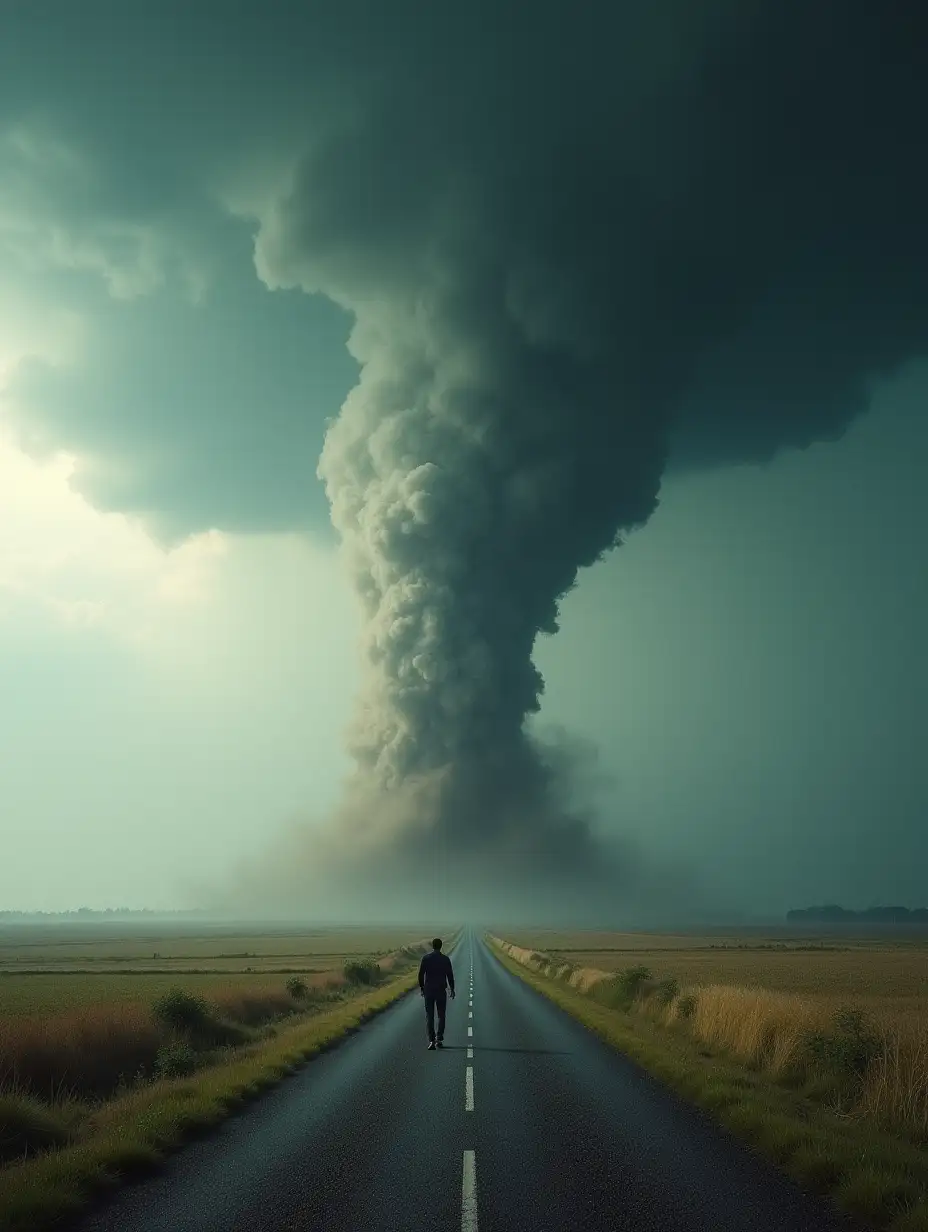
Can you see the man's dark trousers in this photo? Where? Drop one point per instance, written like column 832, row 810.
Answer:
column 435, row 1000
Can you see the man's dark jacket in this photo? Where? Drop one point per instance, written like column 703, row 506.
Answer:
column 434, row 970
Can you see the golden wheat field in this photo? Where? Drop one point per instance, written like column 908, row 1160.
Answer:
column 887, row 977
column 758, row 998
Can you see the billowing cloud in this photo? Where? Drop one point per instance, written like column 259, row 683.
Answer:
column 567, row 256
column 192, row 415
column 184, row 391
column 52, row 217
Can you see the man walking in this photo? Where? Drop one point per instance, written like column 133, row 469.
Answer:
column 435, row 971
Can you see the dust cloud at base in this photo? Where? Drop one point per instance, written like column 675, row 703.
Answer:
column 410, row 854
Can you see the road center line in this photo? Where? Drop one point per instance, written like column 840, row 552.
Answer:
column 469, row 1193
column 470, row 1030
column 469, row 1089
column 470, row 1052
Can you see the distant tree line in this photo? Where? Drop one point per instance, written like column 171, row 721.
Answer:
column 107, row 913
column 831, row 913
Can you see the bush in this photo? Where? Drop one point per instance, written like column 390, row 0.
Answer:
column 610, row 992
column 192, row 1017
column 181, row 1011
column 175, row 1060
column 364, row 971
column 297, row 988
column 849, row 1049
column 631, row 979
column 27, row 1127
column 686, row 1006
column 666, row 990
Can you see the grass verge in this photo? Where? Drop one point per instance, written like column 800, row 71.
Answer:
column 131, row 1135
column 872, row 1175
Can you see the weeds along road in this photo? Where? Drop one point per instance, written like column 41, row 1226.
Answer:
column 524, row 1121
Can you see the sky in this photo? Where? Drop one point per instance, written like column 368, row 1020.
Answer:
column 194, row 275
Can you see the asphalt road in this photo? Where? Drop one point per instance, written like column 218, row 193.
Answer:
column 525, row 1121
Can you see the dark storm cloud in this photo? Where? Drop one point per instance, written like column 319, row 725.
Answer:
column 568, row 246
column 196, row 399
column 196, row 415
column 575, row 246
column 739, row 184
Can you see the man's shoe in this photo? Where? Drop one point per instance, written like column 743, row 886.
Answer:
column 431, row 1045
column 439, row 1044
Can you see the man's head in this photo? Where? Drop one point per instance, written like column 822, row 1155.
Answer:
column 436, row 943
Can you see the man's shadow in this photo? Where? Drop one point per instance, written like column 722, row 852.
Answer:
column 542, row 1052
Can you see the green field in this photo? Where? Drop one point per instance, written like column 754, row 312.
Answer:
column 49, row 969
column 216, row 948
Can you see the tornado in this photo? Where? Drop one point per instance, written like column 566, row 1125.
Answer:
column 581, row 251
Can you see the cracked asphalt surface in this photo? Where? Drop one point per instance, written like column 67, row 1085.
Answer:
column 566, row 1134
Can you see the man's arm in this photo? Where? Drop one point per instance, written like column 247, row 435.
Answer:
column 422, row 974
column 450, row 974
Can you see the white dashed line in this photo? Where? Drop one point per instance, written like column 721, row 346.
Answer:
column 469, row 1089
column 469, row 1193
column 470, row 1030
column 470, row 1052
